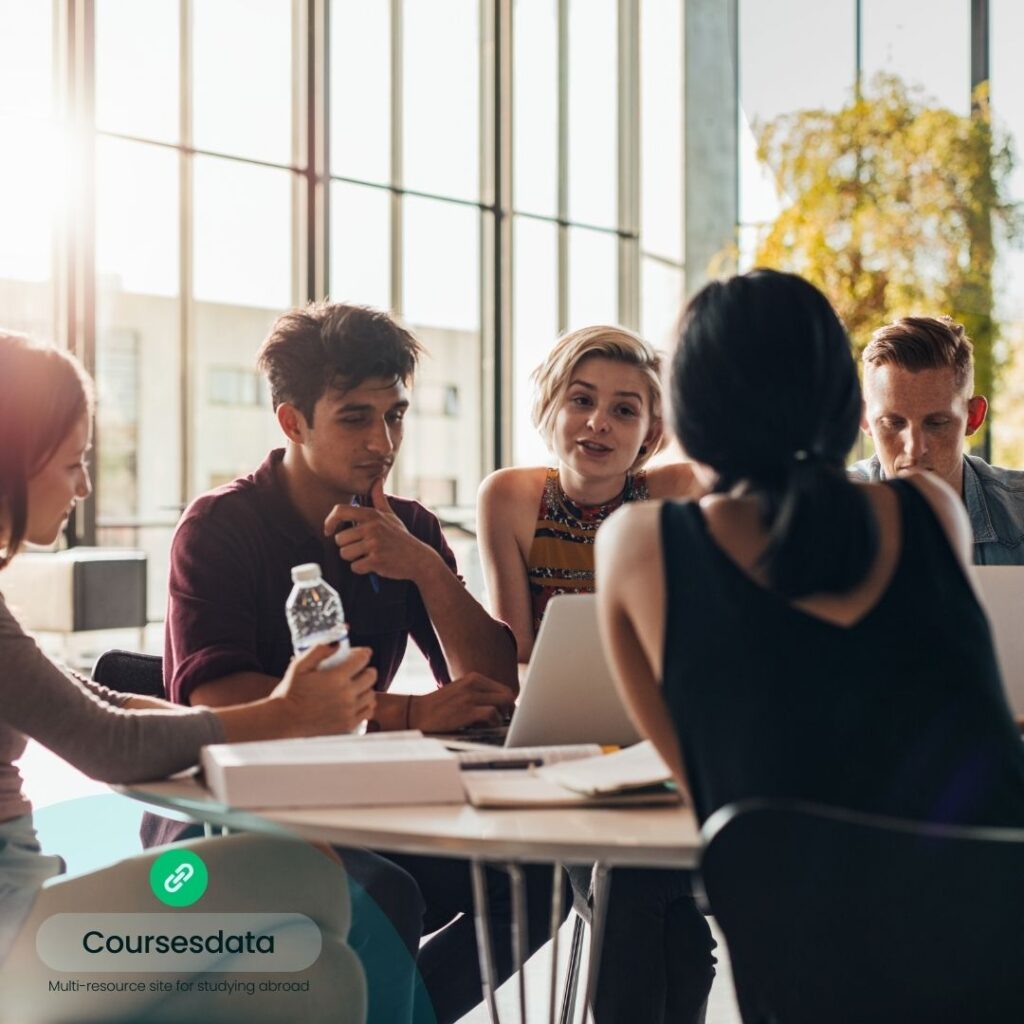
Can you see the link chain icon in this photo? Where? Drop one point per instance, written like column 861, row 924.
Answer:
column 172, row 883
column 178, row 878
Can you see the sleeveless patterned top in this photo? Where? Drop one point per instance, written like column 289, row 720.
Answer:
column 561, row 559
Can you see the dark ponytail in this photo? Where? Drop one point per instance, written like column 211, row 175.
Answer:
column 765, row 392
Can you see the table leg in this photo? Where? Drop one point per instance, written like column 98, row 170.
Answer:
column 556, row 924
column 572, row 974
column 520, row 934
column 601, row 886
column 485, row 949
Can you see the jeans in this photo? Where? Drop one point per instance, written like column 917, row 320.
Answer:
column 23, row 869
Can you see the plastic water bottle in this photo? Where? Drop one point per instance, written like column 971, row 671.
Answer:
column 315, row 615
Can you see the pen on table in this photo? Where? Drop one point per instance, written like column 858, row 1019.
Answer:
column 478, row 766
column 374, row 578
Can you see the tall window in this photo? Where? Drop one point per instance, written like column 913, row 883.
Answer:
column 1007, row 77
column 597, row 177
column 929, row 48
column 494, row 171
column 33, row 191
column 408, row 214
column 197, row 183
column 821, row 63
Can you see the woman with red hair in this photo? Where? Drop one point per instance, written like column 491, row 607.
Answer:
column 46, row 410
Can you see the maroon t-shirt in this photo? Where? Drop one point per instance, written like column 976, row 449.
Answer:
column 231, row 561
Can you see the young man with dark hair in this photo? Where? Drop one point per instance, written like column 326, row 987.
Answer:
column 339, row 377
column 919, row 406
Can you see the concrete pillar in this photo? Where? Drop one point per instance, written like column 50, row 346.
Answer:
column 711, row 136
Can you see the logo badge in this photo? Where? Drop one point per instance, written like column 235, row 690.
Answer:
column 178, row 878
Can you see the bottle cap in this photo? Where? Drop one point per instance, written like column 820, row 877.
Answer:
column 308, row 572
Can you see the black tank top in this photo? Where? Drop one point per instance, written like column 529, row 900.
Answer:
column 901, row 714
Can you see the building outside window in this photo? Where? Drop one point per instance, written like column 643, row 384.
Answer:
column 494, row 171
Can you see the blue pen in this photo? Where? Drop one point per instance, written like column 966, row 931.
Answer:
column 374, row 578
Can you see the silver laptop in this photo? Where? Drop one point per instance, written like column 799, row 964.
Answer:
column 568, row 695
column 1002, row 594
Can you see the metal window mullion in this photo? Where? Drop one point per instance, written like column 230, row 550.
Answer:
column 397, row 206
column 734, row 53
column 487, row 258
column 488, row 89
column 60, row 239
column 80, row 264
column 980, row 29
column 563, row 164
column 858, row 47
column 682, row 141
column 397, row 233
column 81, row 243
column 503, row 113
column 302, row 260
column 629, row 162
column 186, row 317
column 303, row 257
column 980, row 36
column 495, row 236
column 313, row 113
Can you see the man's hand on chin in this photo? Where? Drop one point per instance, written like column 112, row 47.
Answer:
column 375, row 540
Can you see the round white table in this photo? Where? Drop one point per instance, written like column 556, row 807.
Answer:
column 651, row 837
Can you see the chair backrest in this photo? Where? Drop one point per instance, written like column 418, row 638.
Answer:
column 129, row 672
column 841, row 917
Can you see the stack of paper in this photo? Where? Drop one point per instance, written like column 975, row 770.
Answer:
column 636, row 767
column 634, row 776
column 341, row 771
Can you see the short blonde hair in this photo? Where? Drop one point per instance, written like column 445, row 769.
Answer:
column 552, row 377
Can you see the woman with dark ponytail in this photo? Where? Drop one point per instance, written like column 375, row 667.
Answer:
column 813, row 638
column 775, row 410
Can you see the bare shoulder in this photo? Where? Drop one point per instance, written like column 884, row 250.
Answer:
column 507, row 504
column 631, row 535
column 514, row 483
column 674, row 480
column 950, row 512
column 511, row 495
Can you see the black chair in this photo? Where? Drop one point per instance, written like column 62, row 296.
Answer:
column 833, row 917
column 128, row 672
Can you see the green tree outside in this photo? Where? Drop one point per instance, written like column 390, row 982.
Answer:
column 892, row 205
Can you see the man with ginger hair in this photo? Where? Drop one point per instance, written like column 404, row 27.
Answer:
column 919, row 407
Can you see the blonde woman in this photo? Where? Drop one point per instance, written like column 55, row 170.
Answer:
column 598, row 406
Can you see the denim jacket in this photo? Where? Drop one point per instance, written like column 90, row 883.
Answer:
column 995, row 506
